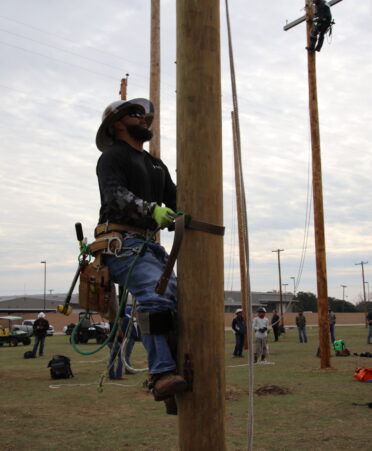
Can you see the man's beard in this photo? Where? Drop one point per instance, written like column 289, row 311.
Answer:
column 139, row 133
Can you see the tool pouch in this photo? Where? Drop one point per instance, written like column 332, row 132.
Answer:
column 97, row 291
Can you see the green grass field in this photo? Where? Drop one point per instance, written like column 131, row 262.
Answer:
column 319, row 412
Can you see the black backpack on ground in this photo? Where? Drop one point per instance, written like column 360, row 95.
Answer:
column 60, row 367
column 28, row 355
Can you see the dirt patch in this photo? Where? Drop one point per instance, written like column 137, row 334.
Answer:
column 272, row 390
column 233, row 393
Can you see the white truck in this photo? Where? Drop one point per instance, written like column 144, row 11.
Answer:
column 28, row 327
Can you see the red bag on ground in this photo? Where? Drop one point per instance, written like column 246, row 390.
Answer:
column 363, row 374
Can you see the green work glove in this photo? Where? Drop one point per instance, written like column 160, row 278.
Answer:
column 163, row 216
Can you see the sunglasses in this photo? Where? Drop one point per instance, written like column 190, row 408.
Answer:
column 135, row 113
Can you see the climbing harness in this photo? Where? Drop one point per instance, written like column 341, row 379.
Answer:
column 96, row 289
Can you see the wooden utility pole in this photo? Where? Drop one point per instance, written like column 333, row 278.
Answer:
column 123, row 87
column 241, row 226
column 282, row 329
column 199, row 193
column 155, row 76
column 362, row 263
column 320, row 249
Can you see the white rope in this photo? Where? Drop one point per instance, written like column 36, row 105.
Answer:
column 55, row 386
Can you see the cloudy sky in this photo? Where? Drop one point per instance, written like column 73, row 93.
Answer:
column 61, row 65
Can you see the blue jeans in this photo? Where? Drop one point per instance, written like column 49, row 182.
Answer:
column 332, row 331
column 302, row 334
column 142, row 284
column 239, row 343
column 39, row 341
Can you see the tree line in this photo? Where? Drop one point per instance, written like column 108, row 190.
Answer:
column 308, row 302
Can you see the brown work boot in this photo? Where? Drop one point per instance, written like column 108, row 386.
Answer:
column 171, row 405
column 168, row 384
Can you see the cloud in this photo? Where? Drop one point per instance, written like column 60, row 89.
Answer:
column 54, row 91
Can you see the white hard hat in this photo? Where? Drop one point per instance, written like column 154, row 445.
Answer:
column 41, row 315
column 114, row 112
column 238, row 310
column 261, row 310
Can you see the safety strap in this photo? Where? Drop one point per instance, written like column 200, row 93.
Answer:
column 182, row 222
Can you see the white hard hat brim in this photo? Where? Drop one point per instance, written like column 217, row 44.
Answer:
column 103, row 139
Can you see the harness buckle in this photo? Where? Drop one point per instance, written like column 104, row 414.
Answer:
column 113, row 248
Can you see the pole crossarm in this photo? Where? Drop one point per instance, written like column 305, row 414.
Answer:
column 301, row 19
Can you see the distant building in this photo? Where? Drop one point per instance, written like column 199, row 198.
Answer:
column 233, row 300
column 36, row 301
column 270, row 300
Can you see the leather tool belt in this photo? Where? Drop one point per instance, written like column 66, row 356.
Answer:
column 107, row 227
column 109, row 239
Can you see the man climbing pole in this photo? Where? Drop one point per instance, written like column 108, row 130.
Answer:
column 133, row 187
column 322, row 23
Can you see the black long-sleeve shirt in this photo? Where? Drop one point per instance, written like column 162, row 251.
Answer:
column 131, row 184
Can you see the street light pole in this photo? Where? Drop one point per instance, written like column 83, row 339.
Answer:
column 294, row 285
column 44, row 263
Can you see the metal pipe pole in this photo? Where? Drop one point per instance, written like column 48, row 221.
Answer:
column 364, row 288
column 278, row 251
column 44, row 263
column 343, row 296
column 294, row 285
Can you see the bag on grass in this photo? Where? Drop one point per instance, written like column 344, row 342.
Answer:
column 344, row 353
column 363, row 374
column 60, row 367
column 28, row 355
column 339, row 345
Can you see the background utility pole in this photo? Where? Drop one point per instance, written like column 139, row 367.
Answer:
column 201, row 411
column 364, row 288
column 320, row 249
column 241, row 227
column 123, row 87
column 280, row 291
column 343, row 296
column 155, row 76
column 294, row 285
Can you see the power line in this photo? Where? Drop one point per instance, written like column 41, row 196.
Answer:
column 44, row 98
column 104, row 52
column 60, row 49
column 56, row 59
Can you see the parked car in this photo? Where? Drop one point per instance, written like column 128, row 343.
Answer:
column 11, row 336
column 28, row 327
column 88, row 330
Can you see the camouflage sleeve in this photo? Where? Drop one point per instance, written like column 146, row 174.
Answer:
column 118, row 202
column 127, row 207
